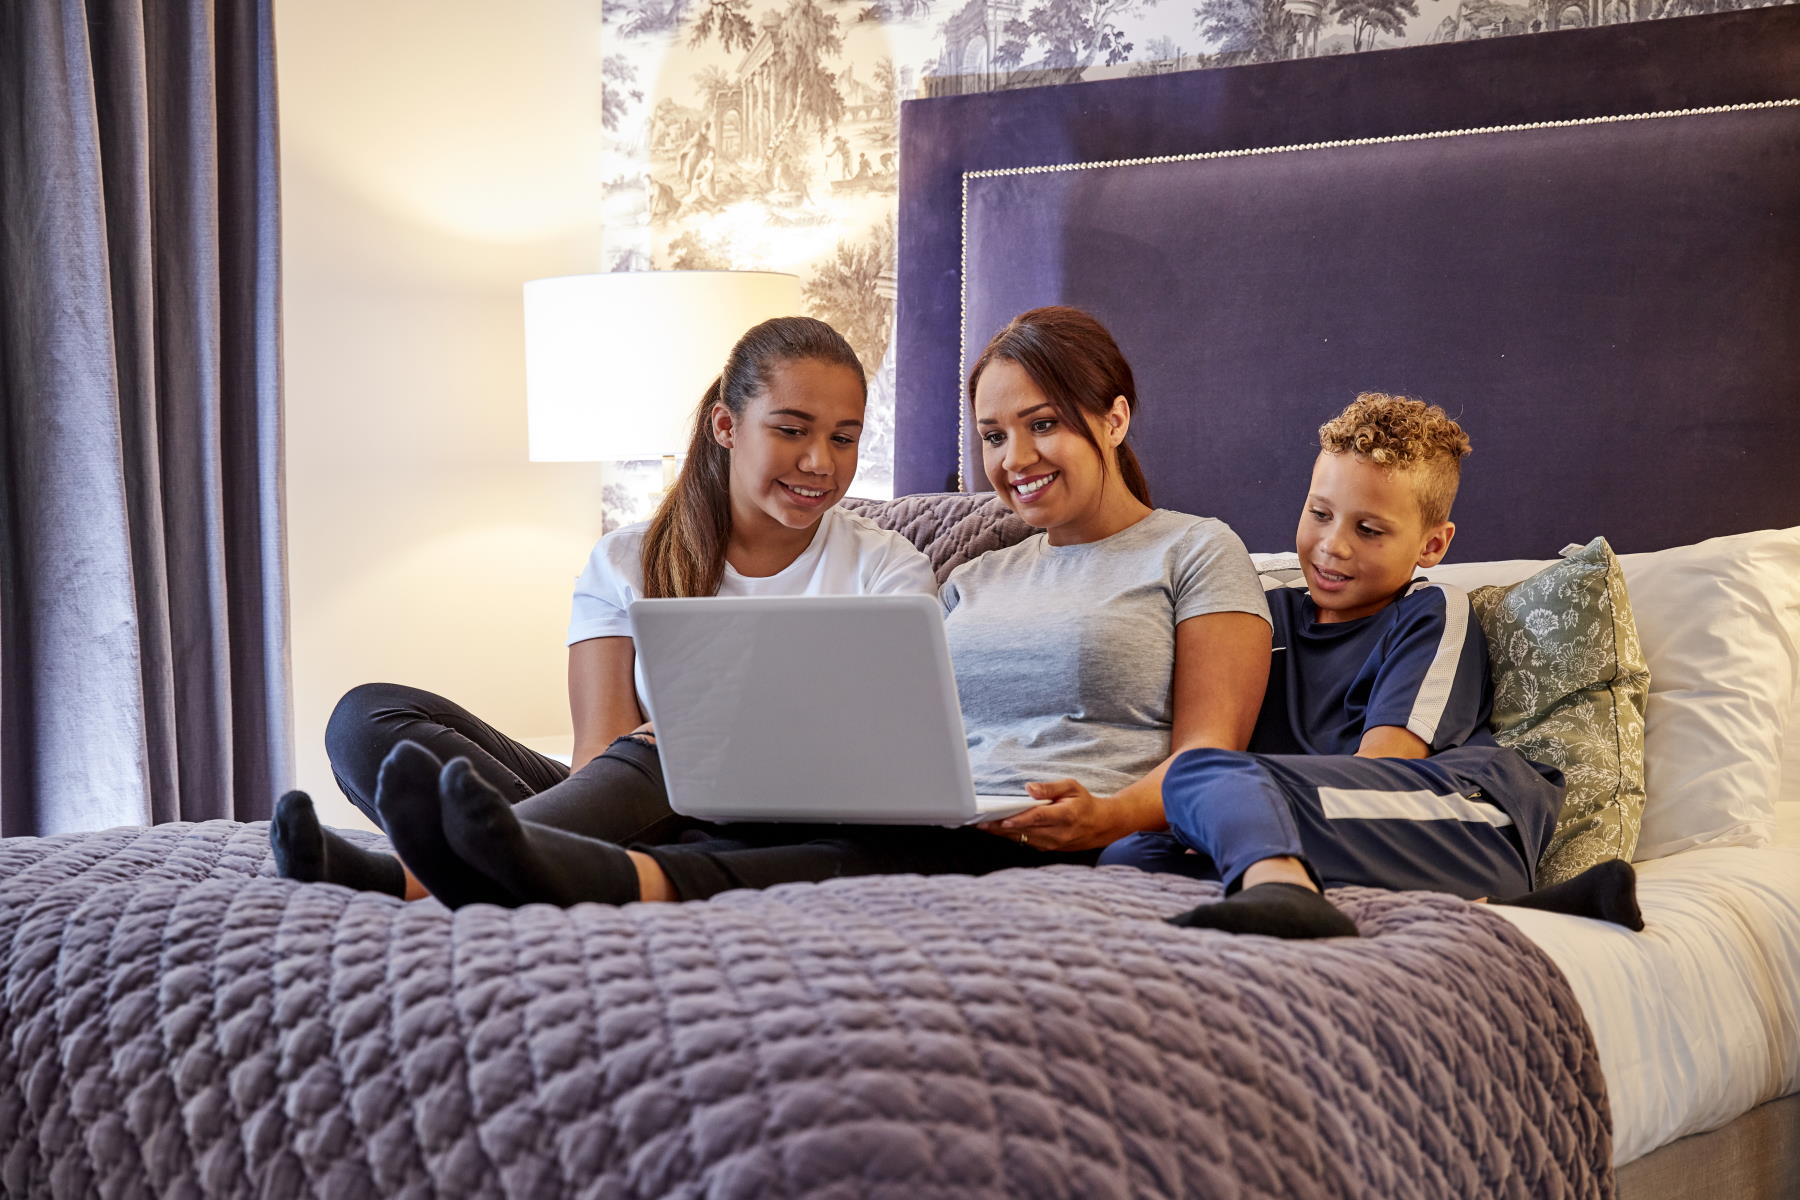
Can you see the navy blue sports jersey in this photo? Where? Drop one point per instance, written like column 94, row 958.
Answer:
column 1420, row 663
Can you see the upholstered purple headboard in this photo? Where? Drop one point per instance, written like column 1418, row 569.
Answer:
column 1604, row 288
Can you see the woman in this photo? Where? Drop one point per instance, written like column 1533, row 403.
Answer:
column 753, row 512
column 1085, row 659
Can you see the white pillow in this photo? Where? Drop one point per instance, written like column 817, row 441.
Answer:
column 1720, row 626
column 1790, row 755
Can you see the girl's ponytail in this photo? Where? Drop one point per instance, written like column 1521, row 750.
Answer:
column 684, row 549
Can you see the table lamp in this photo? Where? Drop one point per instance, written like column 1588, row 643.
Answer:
column 615, row 364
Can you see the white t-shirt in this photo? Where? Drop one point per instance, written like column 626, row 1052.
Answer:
column 850, row 555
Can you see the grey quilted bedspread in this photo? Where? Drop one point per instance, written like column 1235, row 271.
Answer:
column 177, row 1022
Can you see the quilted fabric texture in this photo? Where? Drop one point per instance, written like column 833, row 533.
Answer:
column 178, row 1022
column 1570, row 686
column 950, row 527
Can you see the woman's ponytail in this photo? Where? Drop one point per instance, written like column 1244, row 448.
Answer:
column 1133, row 474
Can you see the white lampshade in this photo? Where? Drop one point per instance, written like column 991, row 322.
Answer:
column 615, row 364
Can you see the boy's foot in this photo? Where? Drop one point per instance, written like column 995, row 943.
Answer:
column 1283, row 910
column 533, row 863
column 307, row 851
column 406, row 797
column 1605, row 892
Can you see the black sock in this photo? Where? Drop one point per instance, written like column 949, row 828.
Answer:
column 307, row 851
column 1283, row 910
column 406, row 797
column 535, row 863
column 1605, row 892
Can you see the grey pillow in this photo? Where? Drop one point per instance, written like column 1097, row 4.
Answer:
column 950, row 528
column 1570, row 684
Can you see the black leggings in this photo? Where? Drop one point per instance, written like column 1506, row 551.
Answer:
column 718, row 858
column 620, row 798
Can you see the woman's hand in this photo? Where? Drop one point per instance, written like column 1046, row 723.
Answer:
column 1074, row 819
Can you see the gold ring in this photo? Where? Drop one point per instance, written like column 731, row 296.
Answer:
column 1024, row 840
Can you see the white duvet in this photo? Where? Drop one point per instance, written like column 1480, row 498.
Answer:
column 1697, row 1018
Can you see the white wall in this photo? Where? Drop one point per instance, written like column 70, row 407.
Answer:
column 435, row 154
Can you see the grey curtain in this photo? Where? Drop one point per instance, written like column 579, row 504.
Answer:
column 143, row 609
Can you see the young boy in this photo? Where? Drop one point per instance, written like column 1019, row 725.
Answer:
column 1371, row 762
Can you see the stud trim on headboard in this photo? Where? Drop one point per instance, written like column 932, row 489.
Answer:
column 962, row 419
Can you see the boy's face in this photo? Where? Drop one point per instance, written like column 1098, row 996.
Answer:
column 1361, row 535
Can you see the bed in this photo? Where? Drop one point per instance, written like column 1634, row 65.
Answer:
column 176, row 1021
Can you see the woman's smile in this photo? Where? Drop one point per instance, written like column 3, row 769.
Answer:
column 1032, row 486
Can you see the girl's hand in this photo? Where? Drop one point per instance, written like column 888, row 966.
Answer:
column 1074, row 819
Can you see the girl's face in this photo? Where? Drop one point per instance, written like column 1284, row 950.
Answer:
column 793, row 450
column 1045, row 471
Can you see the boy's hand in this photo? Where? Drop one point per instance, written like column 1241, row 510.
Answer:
column 1074, row 819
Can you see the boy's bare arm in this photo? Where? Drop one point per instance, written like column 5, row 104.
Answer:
column 1391, row 741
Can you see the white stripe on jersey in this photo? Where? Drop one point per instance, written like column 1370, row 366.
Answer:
column 1434, row 691
column 1372, row 804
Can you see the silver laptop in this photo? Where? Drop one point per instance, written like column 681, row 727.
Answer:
column 809, row 708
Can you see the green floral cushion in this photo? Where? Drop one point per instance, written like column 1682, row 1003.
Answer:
column 1569, row 691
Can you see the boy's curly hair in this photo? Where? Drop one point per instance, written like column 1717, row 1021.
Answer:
column 1401, row 434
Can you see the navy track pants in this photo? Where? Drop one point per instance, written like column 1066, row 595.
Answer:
column 1470, row 821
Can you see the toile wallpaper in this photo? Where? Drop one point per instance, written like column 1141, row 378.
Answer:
column 762, row 134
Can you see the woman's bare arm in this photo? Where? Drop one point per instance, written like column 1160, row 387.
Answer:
column 602, row 695
column 1221, row 670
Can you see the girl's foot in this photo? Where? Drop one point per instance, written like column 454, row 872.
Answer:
column 307, row 851
column 533, row 863
column 406, row 797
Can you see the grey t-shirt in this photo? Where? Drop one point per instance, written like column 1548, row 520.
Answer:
column 1065, row 655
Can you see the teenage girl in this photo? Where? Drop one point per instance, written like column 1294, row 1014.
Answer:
column 753, row 513
column 1086, row 658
